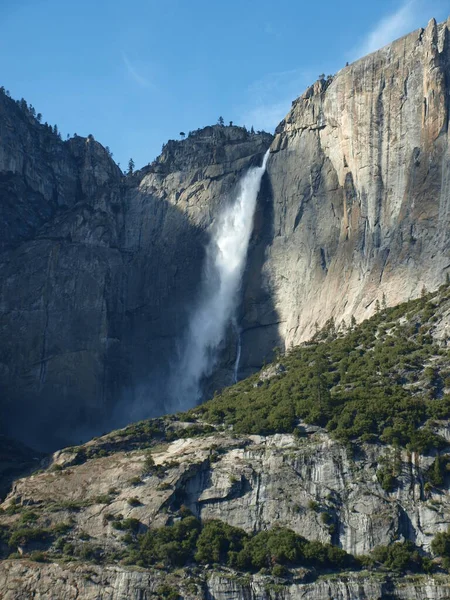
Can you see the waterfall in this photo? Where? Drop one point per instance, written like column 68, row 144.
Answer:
column 226, row 255
column 238, row 355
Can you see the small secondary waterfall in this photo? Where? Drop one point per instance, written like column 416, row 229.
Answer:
column 238, row 354
column 225, row 261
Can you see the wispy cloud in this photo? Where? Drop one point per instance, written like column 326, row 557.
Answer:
column 409, row 16
column 266, row 117
column 269, row 98
column 137, row 76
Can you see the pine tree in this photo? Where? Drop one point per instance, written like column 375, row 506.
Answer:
column 384, row 302
column 130, row 166
column 221, row 121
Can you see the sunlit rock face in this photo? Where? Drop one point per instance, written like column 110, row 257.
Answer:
column 359, row 189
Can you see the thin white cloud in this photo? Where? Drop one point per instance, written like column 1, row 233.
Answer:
column 135, row 74
column 266, row 117
column 269, row 98
column 409, row 16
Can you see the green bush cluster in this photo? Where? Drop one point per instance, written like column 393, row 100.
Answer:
column 25, row 531
column 358, row 385
column 187, row 540
column 438, row 470
column 25, row 535
column 441, row 547
column 400, row 557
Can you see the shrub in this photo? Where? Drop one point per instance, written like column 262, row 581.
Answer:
column 441, row 547
column 216, row 540
column 167, row 592
column 173, row 545
column 134, row 501
column 25, row 535
column 90, row 552
column 38, row 556
column 129, row 524
column 279, row 571
column 149, row 464
column 386, row 479
column 399, row 557
column 28, row 516
column 313, row 505
column 326, row 518
column 436, row 473
column 102, row 499
column 135, row 480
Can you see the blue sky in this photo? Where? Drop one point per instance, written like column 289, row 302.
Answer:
column 135, row 74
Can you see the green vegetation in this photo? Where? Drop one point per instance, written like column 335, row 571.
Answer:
column 134, row 501
column 441, row 547
column 167, row 592
column 130, row 524
column 438, row 470
column 371, row 382
column 187, row 541
column 400, row 557
column 390, row 469
column 24, row 535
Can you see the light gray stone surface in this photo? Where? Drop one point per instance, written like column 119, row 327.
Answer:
column 359, row 189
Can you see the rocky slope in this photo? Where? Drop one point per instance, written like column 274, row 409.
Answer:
column 91, row 582
column 81, row 515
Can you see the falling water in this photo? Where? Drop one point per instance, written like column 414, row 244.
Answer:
column 225, row 261
column 238, row 357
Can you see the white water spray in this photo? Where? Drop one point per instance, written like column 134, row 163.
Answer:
column 225, row 261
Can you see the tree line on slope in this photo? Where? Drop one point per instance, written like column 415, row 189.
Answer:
column 383, row 380
column 187, row 540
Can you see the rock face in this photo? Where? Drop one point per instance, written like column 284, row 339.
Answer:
column 253, row 482
column 311, row 485
column 358, row 192
column 98, row 272
column 91, row 582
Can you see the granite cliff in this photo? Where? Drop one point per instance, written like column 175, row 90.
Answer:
column 357, row 195
column 99, row 271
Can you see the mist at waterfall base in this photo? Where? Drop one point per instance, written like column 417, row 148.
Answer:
column 226, row 255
